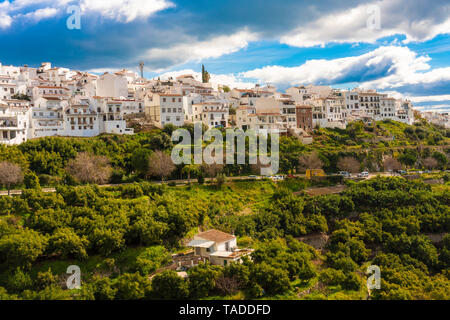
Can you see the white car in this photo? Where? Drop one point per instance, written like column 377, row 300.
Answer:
column 277, row 178
column 363, row 175
column 345, row 174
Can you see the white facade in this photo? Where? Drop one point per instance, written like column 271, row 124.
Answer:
column 81, row 121
column 387, row 108
column 103, row 102
column 329, row 112
column 46, row 123
column 405, row 112
column 219, row 247
column 111, row 85
column 440, row 119
column 14, row 124
column 7, row 87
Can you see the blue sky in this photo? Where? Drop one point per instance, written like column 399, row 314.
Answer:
column 396, row 46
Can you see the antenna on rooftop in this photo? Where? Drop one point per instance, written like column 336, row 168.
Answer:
column 141, row 67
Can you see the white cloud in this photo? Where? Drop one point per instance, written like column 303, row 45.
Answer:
column 440, row 108
column 229, row 80
column 194, row 50
column 385, row 68
column 119, row 10
column 377, row 63
column 431, row 98
column 102, row 70
column 41, row 14
column 125, row 11
column 5, row 20
column 408, row 17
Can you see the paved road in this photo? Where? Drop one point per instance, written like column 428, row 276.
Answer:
column 184, row 182
column 178, row 182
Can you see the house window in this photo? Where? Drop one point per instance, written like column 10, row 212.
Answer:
column 225, row 262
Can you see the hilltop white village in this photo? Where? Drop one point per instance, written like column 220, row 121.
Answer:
column 53, row 101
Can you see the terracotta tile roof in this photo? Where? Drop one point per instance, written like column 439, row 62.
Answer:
column 186, row 76
column 51, row 87
column 216, row 236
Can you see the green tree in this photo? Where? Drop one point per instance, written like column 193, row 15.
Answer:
column 19, row 281
column 45, row 279
column 441, row 158
column 132, row 287
column 31, row 180
column 102, row 289
column 67, row 244
column 202, row 280
column 272, row 280
column 169, row 286
column 22, row 248
column 408, row 158
column 190, row 170
column 139, row 160
column 151, row 259
column 205, row 75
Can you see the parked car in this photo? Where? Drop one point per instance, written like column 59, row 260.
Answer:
column 401, row 172
column 363, row 175
column 253, row 177
column 277, row 178
column 345, row 174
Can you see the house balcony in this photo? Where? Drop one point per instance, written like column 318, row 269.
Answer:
column 8, row 123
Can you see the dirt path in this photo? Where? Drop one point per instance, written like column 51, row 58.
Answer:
column 323, row 191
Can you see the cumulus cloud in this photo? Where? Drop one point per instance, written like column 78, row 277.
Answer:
column 118, row 10
column 5, row 20
column 385, row 68
column 440, row 108
column 125, row 11
column 229, row 80
column 373, row 65
column 41, row 14
column 439, row 98
column 195, row 50
column 368, row 22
